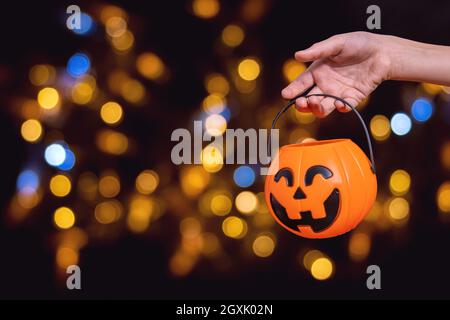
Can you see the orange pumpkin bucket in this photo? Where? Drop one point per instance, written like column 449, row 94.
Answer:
column 321, row 189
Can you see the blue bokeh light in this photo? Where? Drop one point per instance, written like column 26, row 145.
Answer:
column 86, row 25
column 244, row 176
column 78, row 65
column 55, row 154
column 28, row 180
column 226, row 113
column 69, row 161
column 422, row 109
column 401, row 124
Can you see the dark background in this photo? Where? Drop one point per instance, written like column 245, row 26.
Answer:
column 415, row 262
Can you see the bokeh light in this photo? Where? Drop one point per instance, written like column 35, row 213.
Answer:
column 322, row 268
column 263, row 246
column 400, row 124
column 107, row 212
column 27, row 181
column 422, row 109
column 147, row 181
column 31, row 130
column 64, row 218
column 217, row 84
column 234, row 227
column 150, row 65
column 78, row 65
column 244, row 176
column 249, row 69
column 246, row 202
column 380, row 127
column 359, row 246
column 212, row 159
column 55, row 154
column 109, row 185
column 232, row 35
column 292, row 69
column 443, row 197
column 399, row 182
column 87, row 25
column 205, row 9
column 48, row 98
column 215, row 124
column 60, row 185
column 42, row 74
column 398, row 208
column 221, row 204
column 111, row 113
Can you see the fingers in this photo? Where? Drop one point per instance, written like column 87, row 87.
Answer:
column 303, row 82
column 351, row 96
column 327, row 48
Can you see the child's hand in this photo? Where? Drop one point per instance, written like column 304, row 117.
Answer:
column 348, row 65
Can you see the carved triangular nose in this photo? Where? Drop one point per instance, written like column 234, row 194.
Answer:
column 299, row 194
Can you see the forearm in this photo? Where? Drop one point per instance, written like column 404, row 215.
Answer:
column 416, row 61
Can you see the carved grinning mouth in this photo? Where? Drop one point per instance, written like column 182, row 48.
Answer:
column 331, row 205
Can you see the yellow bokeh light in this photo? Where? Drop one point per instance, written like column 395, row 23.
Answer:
column 233, row 35
column 111, row 112
column 244, row 86
column 109, row 185
column 64, row 218
column 60, row 185
column 31, row 130
column 115, row 26
column 359, row 246
column 140, row 212
column 246, row 202
column 194, row 179
column 217, row 84
column 82, row 92
column 112, row 142
column 310, row 257
column 123, row 42
column 220, row 205
column 205, row 9
column 249, row 69
column 109, row 11
column 443, row 197
column 132, row 91
column 263, row 246
column 48, row 98
column 215, row 124
column 398, row 208
column 66, row 256
column 108, row 211
column 211, row 244
column 28, row 198
column 303, row 117
column 322, row 268
column 234, row 227
column 150, row 65
column 292, row 69
column 190, row 227
column 399, row 182
column 213, row 104
column 212, row 159
column 41, row 74
column 147, row 181
column 380, row 127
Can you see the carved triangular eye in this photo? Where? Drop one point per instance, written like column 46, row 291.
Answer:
column 299, row 194
column 287, row 174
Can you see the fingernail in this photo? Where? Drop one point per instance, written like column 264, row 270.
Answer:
column 285, row 92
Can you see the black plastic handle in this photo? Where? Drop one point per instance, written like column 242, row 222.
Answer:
column 307, row 95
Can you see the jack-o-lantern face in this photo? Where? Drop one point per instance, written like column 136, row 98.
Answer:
column 320, row 189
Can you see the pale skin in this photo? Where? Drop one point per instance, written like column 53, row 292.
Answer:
column 352, row 65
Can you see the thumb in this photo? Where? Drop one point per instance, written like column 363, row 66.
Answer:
column 324, row 49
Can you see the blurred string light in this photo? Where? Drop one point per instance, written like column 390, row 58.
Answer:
column 303, row 117
column 64, row 218
column 212, row 159
column 124, row 42
column 445, row 155
column 310, row 257
column 60, row 185
column 42, row 74
column 233, row 35
column 292, row 69
column 399, row 182
column 244, row 176
column 150, row 66
column 31, row 130
column 205, row 9
column 48, row 98
column 194, row 180
column 398, row 209
column 87, row 25
column 132, row 91
column 147, row 181
column 109, row 185
column 263, row 245
column 69, row 160
column 221, row 204
column 380, row 128
column 115, row 26
column 83, row 90
column 246, row 202
column 234, row 227
column 111, row 113
column 78, row 65
column 27, row 181
column 443, row 197
column 109, row 211
column 112, row 142
column 322, row 268
column 55, row 154
column 214, row 104
column 140, row 212
column 215, row 124
column 217, row 85
column 400, row 124
column 359, row 246
column 249, row 69
column 66, row 256
column 422, row 109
